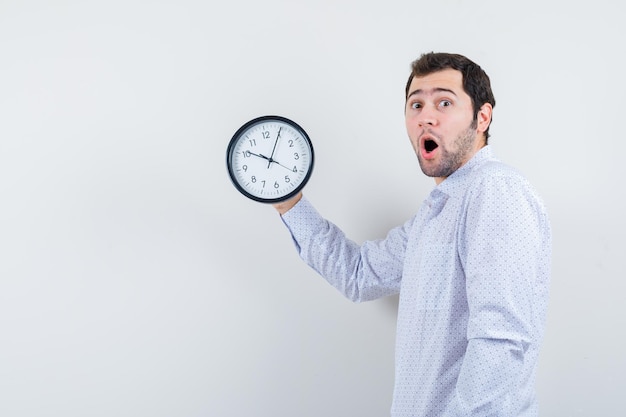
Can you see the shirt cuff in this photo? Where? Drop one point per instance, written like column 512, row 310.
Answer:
column 303, row 221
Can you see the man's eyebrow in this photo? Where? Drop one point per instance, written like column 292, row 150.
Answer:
column 431, row 91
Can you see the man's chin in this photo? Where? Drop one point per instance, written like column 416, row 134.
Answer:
column 428, row 167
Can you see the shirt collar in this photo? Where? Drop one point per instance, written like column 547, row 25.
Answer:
column 451, row 185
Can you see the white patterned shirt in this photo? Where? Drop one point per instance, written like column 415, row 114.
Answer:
column 472, row 268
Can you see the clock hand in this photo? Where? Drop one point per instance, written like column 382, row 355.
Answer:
column 276, row 162
column 260, row 156
column 273, row 149
column 269, row 160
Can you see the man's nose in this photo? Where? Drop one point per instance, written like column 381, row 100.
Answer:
column 427, row 116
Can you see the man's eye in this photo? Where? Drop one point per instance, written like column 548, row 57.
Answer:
column 445, row 103
column 416, row 106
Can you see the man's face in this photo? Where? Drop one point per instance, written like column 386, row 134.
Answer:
column 441, row 125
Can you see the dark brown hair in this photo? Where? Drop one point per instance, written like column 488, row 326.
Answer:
column 476, row 82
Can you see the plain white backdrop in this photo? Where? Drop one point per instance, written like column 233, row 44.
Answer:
column 136, row 281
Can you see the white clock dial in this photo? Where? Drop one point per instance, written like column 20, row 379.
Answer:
column 270, row 159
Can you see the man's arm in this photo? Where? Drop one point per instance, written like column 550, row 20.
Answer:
column 360, row 272
column 505, row 250
column 284, row 206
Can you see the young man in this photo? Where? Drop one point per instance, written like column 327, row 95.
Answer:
column 472, row 266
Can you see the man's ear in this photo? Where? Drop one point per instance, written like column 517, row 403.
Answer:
column 483, row 118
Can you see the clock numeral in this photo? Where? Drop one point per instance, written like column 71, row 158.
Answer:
column 245, row 168
column 296, row 156
column 263, row 184
column 246, row 154
column 252, row 143
column 287, row 179
column 290, row 143
column 253, row 179
column 276, row 184
column 295, row 169
column 266, row 134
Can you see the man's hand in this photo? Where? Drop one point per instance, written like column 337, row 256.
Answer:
column 284, row 206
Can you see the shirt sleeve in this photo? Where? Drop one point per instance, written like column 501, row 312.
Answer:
column 505, row 250
column 360, row 272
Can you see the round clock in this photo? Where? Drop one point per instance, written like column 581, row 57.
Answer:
column 270, row 159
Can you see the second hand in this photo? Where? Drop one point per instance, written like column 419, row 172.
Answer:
column 270, row 160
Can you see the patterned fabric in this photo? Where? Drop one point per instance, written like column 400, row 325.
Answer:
column 472, row 268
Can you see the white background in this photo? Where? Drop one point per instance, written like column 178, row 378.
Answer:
column 136, row 281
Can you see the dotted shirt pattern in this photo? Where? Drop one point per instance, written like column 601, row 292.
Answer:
column 472, row 268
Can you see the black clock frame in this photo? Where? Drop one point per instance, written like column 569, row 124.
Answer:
column 237, row 136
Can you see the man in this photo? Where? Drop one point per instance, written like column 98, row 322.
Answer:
column 472, row 266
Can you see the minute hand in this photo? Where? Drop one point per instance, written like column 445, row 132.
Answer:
column 270, row 160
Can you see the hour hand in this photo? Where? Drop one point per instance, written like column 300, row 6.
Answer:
column 258, row 155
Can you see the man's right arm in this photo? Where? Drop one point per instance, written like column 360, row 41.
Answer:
column 360, row 272
column 284, row 206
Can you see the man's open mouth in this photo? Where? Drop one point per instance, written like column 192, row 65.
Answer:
column 430, row 145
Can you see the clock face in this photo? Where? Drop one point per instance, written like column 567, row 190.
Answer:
column 270, row 159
